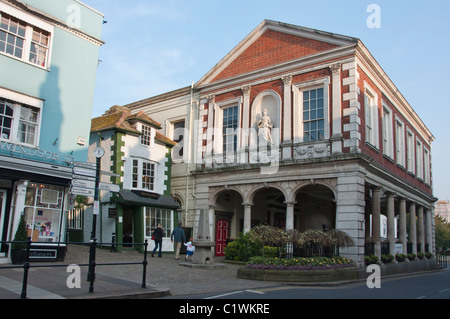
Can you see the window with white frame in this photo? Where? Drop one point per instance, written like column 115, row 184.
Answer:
column 388, row 141
column 143, row 175
column 419, row 159
column 146, row 137
column 229, row 128
column 313, row 115
column 18, row 123
column 400, row 142
column 24, row 41
column 426, row 165
column 410, row 152
column 311, row 119
column 371, row 116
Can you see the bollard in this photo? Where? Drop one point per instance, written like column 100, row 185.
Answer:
column 144, row 264
column 91, row 273
column 26, row 267
column 113, row 240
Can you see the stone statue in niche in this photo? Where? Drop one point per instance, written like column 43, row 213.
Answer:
column 265, row 128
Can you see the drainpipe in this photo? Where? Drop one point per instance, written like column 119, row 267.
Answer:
column 189, row 153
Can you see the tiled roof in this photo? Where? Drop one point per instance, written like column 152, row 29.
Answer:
column 120, row 118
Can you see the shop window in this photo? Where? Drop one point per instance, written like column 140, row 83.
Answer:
column 155, row 216
column 43, row 209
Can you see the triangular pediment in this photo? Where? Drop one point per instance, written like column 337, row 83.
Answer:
column 271, row 44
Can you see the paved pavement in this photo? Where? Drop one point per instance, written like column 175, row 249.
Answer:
column 165, row 277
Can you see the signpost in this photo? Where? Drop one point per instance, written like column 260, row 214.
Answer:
column 86, row 182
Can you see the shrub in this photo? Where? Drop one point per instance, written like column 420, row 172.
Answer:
column 241, row 249
column 371, row 259
column 387, row 258
column 400, row 257
column 428, row 255
column 21, row 235
column 411, row 256
column 420, row 255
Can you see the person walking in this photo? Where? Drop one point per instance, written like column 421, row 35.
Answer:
column 179, row 236
column 158, row 235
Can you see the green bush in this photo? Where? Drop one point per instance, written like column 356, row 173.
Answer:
column 21, row 235
column 420, row 255
column 387, row 258
column 241, row 249
column 400, row 257
column 428, row 255
column 411, row 256
column 371, row 259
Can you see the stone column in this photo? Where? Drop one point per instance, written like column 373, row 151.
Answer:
column 402, row 229
column 376, row 221
column 19, row 209
column 390, row 223
column 420, row 229
column 429, row 230
column 247, row 216
column 287, row 118
column 290, row 215
column 245, row 132
column 412, row 227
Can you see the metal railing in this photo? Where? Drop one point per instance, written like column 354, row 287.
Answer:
column 92, row 263
column 442, row 260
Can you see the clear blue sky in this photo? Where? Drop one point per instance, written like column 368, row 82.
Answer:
column 153, row 47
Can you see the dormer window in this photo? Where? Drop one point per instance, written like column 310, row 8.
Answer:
column 146, row 137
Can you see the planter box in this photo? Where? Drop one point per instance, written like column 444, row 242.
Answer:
column 18, row 257
column 409, row 267
column 326, row 275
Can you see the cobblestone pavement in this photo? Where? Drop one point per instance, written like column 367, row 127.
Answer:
column 166, row 272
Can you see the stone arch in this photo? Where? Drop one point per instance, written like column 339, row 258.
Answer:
column 251, row 194
column 315, row 206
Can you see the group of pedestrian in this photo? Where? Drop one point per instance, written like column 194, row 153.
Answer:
column 178, row 236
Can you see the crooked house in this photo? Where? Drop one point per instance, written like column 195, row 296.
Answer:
column 48, row 62
column 301, row 129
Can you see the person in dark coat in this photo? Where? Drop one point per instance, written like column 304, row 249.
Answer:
column 158, row 235
column 180, row 238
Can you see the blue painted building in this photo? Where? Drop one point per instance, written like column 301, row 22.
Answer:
column 48, row 63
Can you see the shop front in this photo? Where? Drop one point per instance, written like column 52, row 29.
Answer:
column 40, row 192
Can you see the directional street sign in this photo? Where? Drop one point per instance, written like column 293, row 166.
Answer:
column 83, row 191
column 84, row 171
column 83, row 183
column 110, row 187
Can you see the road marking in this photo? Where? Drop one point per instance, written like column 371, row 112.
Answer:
column 256, row 292
column 224, row 295
column 421, row 297
column 32, row 292
column 444, row 290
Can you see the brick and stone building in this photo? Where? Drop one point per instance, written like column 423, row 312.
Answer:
column 301, row 129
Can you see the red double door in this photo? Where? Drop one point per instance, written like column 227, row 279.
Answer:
column 222, row 229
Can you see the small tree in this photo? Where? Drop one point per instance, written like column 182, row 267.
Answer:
column 21, row 236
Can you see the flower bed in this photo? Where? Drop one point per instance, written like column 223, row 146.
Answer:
column 311, row 263
column 313, row 269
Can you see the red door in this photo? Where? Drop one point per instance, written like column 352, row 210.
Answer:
column 222, row 228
